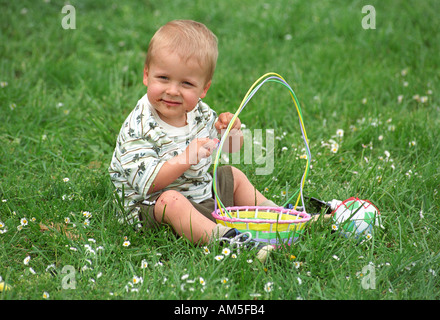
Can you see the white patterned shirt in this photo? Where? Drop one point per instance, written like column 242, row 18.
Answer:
column 145, row 142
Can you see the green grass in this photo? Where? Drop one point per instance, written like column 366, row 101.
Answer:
column 68, row 92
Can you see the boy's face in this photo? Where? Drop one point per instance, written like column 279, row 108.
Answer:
column 174, row 86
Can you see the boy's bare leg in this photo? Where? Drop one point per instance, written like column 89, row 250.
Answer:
column 245, row 194
column 174, row 209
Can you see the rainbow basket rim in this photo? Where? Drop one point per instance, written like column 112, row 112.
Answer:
column 303, row 216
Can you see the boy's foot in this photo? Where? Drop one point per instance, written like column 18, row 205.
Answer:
column 244, row 240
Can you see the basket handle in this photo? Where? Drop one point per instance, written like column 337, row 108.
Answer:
column 268, row 77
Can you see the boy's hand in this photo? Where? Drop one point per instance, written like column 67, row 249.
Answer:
column 199, row 149
column 223, row 122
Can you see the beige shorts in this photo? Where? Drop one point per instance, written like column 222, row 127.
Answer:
column 225, row 191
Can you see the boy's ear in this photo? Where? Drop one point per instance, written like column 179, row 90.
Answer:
column 205, row 90
column 145, row 80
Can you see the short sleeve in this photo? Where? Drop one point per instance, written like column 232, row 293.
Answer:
column 138, row 155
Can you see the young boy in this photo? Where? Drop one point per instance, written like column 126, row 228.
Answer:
column 163, row 151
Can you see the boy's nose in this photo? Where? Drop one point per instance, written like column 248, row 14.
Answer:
column 172, row 89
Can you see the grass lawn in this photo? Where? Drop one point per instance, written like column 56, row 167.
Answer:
column 65, row 92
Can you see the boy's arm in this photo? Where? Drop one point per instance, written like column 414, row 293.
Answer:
column 175, row 167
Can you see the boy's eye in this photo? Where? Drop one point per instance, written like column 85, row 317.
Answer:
column 186, row 83
column 162, row 77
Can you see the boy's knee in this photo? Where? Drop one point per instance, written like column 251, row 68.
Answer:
column 167, row 199
column 238, row 174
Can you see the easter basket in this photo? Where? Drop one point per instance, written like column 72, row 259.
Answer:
column 267, row 224
column 274, row 225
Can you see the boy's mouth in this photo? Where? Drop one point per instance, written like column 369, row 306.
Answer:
column 171, row 103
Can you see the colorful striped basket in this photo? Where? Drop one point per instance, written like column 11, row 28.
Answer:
column 268, row 224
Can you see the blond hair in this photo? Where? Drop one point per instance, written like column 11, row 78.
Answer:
column 189, row 39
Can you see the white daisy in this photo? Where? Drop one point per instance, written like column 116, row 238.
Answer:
column 219, row 257
column 268, row 287
column 144, row 264
column 126, row 243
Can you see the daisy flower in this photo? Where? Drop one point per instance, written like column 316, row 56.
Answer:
column 202, row 281
column 46, row 295
column 185, row 276
column 126, row 243
column 224, row 280
column 144, row 264
column 86, row 214
column 219, row 257
column 268, row 287
column 136, row 280
column 26, row 260
column 334, row 227
column 340, row 133
column 24, row 222
column 334, row 147
column 66, row 179
column 226, row 251
column 206, row 250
